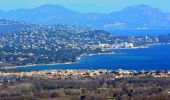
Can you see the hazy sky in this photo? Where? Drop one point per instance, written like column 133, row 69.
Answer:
column 85, row 5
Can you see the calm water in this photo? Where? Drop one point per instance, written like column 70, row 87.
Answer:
column 152, row 32
column 153, row 58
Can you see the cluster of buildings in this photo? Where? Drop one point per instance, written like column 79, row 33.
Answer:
column 38, row 44
column 80, row 74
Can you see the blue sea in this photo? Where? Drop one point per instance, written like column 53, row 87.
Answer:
column 142, row 32
column 154, row 58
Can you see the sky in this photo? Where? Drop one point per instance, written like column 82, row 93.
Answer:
column 100, row 6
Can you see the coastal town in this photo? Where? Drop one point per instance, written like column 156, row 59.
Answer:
column 80, row 74
column 84, row 50
column 31, row 44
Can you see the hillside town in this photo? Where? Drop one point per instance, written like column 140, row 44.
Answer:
column 84, row 50
column 32, row 44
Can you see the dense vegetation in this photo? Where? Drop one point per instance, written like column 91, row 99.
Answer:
column 145, row 88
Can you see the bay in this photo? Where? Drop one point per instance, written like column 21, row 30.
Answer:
column 153, row 58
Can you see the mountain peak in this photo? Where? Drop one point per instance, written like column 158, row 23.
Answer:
column 142, row 8
column 50, row 6
column 53, row 10
column 137, row 16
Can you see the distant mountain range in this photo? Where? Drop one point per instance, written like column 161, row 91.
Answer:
column 134, row 17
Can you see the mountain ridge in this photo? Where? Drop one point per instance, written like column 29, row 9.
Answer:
column 137, row 16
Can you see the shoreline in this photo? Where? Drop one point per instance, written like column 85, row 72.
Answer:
column 85, row 55
column 76, row 61
column 119, row 69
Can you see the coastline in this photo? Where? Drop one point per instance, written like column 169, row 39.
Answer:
column 84, row 55
column 76, row 61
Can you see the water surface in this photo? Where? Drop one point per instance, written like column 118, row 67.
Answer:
column 153, row 58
